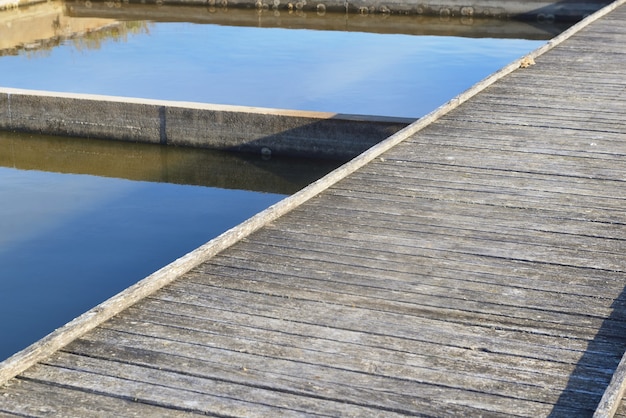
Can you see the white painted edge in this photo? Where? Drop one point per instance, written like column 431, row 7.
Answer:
column 54, row 341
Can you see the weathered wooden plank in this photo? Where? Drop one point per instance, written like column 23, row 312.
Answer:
column 24, row 398
column 132, row 388
column 450, row 214
column 501, row 200
column 556, row 165
column 560, row 113
column 392, row 169
column 541, row 119
column 371, row 347
column 380, row 270
column 501, row 204
column 207, row 395
column 519, row 309
column 538, row 106
column 367, row 389
column 583, row 94
column 489, row 313
column 251, row 341
column 504, row 184
column 499, row 231
column 470, row 262
column 312, row 309
column 603, row 210
column 445, row 331
column 605, row 90
column 474, row 133
column 469, row 243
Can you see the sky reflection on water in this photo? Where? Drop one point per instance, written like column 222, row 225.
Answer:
column 343, row 72
column 68, row 242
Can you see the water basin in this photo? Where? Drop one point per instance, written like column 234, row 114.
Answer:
column 81, row 220
column 404, row 73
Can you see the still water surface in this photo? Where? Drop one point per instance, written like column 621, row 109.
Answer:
column 71, row 237
column 343, row 72
column 81, row 220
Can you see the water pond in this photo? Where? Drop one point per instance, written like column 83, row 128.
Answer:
column 81, row 220
column 357, row 72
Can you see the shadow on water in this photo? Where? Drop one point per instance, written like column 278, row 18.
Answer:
column 156, row 163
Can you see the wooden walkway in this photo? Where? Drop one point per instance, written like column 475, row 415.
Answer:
column 476, row 268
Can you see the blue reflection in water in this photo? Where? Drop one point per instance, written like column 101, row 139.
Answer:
column 344, row 72
column 68, row 242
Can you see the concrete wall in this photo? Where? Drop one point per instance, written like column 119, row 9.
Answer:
column 373, row 23
column 232, row 128
column 526, row 9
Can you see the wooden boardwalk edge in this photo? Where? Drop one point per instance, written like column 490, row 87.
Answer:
column 614, row 392
column 43, row 348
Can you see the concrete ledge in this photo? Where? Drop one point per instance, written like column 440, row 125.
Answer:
column 372, row 23
column 502, row 9
column 229, row 128
column 563, row 10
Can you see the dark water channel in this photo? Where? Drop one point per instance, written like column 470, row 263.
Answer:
column 81, row 220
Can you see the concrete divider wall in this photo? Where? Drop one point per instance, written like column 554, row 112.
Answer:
column 232, row 128
column 502, row 9
column 565, row 10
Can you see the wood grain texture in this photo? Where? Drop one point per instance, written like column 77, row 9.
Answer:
column 471, row 266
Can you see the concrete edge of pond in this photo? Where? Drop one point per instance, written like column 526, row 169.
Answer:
column 36, row 352
column 538, row 10
column 222, row 127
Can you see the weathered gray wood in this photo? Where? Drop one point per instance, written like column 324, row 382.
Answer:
column 453, row 214
column 486, row 246
column 362, row 382
column 200, row 394
column 26, row 358
column 471, row 265
column 454, row 328
column 520, row 309
column 301, row 358
column 395, row 350
column 24, row 398
column 614, row 393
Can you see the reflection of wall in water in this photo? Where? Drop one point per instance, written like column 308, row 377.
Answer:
column 42, row 26
column 156, row 163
